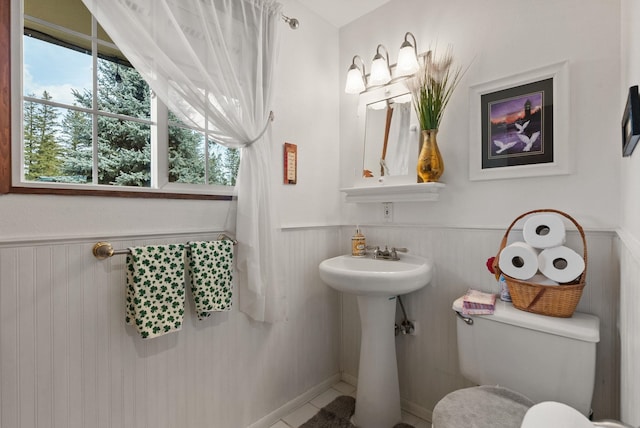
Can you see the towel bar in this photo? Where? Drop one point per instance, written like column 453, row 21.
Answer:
column 103, row 250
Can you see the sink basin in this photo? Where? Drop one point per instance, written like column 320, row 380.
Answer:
column 368, row 276
column 376, row 283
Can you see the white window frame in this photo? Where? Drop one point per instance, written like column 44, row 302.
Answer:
column 158, row 123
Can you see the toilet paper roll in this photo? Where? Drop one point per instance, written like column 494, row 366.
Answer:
column 560, row 264
column 519, row 260
column 544, row 231
column 542, row 280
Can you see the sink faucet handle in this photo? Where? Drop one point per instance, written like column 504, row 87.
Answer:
column 394, row 252
column 376, row 250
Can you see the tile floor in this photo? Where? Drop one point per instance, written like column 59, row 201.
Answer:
column 305, row 412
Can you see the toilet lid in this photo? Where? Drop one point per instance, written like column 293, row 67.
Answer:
column 550, row 414
column 483, row 406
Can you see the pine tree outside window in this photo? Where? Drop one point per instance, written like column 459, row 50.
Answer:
column 90, row 121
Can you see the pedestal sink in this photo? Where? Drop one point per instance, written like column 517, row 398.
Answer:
column 376, row 283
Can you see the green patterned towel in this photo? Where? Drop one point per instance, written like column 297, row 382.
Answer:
column 210, row 266
column 155, row 289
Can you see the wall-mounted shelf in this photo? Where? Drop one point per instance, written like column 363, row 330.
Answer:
column 414, row 192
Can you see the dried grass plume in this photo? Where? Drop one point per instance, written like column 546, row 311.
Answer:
column 432, row 87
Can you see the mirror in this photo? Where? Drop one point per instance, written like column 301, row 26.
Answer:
column 390, row 133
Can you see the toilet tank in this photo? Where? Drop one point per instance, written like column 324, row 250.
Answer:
column 544, row 358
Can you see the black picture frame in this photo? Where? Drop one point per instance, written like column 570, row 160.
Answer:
column 631, row 122
column 517, row 125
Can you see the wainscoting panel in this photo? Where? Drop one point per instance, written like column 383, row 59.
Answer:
column 630, row 331
column 428, row 362
column 68, row 360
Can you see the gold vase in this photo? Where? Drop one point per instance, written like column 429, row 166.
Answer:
column 430, row 165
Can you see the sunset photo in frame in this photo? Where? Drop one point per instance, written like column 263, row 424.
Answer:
column 519, row 125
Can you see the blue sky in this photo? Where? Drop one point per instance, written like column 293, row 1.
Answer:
column 54, row 69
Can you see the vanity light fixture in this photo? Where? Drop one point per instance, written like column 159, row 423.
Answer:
column 380, row 69
column 408, row 64
column 356, row 78
column 407, row 57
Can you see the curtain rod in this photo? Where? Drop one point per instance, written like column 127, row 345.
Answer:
column 293, row 22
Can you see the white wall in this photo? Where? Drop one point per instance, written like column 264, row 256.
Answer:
column 498, row 38
column 630, row 166
column 66, row 357
column 630, row 229
column 37, row 217
column 306, row 103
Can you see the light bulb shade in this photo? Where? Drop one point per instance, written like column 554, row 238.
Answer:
column 380, row 73
column 407, row 61
column 355, row 81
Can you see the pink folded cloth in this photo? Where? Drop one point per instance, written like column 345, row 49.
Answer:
column 476, row 302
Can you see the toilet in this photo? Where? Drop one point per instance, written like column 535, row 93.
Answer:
column 520, row 359
column 550, row 414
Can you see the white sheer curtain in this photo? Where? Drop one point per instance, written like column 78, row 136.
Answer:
column 212, row 63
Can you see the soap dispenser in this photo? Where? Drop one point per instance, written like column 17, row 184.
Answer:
column 358, row 244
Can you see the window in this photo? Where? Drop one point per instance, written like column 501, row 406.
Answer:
column 90, row 122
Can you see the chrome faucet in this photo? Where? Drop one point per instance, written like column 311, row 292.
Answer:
column 387, row 254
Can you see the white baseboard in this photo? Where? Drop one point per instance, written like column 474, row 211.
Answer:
column 276, row 415
column 350, row 379
column 416, row 410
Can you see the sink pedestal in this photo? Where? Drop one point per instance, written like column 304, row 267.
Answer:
column 378, row 396
column 376, row 282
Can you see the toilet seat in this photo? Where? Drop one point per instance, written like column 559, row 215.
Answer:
column 481, row 407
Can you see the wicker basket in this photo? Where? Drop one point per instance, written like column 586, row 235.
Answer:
column 551, row 300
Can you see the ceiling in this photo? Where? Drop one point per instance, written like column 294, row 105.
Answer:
column 342, row 12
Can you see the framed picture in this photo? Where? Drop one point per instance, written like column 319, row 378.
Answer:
column 519, row 125
column 290, row 163
column 631, row 122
